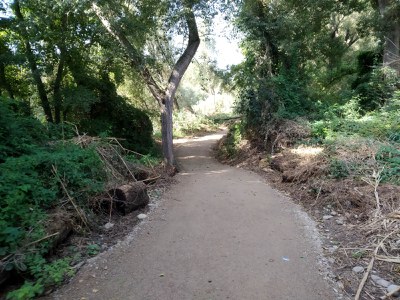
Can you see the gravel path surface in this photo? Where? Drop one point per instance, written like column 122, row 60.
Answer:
column 220, row 233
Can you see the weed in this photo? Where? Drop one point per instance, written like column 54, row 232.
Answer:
column 338, row 169
column 92, row 249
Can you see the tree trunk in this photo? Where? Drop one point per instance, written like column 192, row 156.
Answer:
column 165, row 98
column 57, row 97
column 391, row 53
column 167, row 131
column 32, row 64
column 4, row 82
column 57, row 91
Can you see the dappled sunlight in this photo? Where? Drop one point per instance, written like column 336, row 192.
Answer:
column 193, row 156
column 211, row 137
column 307, row 151
column 219, row 172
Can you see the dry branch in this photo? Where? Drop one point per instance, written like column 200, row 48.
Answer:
column 79, row 211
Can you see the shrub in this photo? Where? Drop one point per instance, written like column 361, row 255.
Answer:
column 131, row 125
column 233, row 139
column 389, row 157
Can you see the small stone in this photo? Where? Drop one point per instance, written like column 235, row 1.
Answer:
column 108, row 226
column 358, row 269
column 375, row 278
column 392, row 288
column 327, row 217
column 340, row 221
column 383, row 282
column 332, row 249
column 333, row 213
column 142, row 216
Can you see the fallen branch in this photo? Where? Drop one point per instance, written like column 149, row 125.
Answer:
column 78, row 210
column 42, row 239
column 395, row 260
column 369, row 268
column 374, row 181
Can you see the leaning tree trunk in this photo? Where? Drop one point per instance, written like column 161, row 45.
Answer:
column 164, row 97
column 33, row 65
column 167, row 131
column 391, row 53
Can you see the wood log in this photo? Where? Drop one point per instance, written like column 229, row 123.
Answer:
column 130, row 197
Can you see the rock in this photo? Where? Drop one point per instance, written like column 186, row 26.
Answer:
column 358, row 269
column 327, row 217
column 380, row 281
column 332, row 249
column 392, row 288
column 383, row 282
column 333, row 213
column 108, row 226
column 141, row 216
column 375, row 278
column 340, row 221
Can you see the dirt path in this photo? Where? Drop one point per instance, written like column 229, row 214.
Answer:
column 220, row 233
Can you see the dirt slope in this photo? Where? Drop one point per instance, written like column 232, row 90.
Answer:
column 220, row 233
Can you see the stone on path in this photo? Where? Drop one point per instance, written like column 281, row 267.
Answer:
column 142, row 216
column 358, row 269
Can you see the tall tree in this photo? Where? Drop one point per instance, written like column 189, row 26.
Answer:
column 389, row 10
column 30, row 55
column 164, row 96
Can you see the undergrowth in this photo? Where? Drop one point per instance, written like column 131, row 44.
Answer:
column 374, row 137
column 43, row 170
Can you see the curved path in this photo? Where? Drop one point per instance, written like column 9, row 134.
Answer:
column 221, row 233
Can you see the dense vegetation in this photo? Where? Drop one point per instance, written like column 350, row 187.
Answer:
column 103, row 68
column 332, row 67
column 74, row 77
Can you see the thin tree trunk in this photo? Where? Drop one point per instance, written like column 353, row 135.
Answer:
column 57, row 97
column 391, row 53
column 165, row 98
column 57, row 91
column 32, row 64
column 4, row 82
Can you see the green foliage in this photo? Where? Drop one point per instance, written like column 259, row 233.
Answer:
column 45, row 274
column 338, row 169
column 389, row 158
column 231, row 145
column 120, row 120
column 187, row 123
column 18, row 134
column 28, row 291
column 377, row 89
column 32, row 167
column 30, row 184
column 149, row 160
column 92, row 249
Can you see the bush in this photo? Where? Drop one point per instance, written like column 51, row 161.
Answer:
column 30, row 185
column 131, row 125
column 233, row 139
column 389, row 157
column 18, row 134
column 32, row 165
